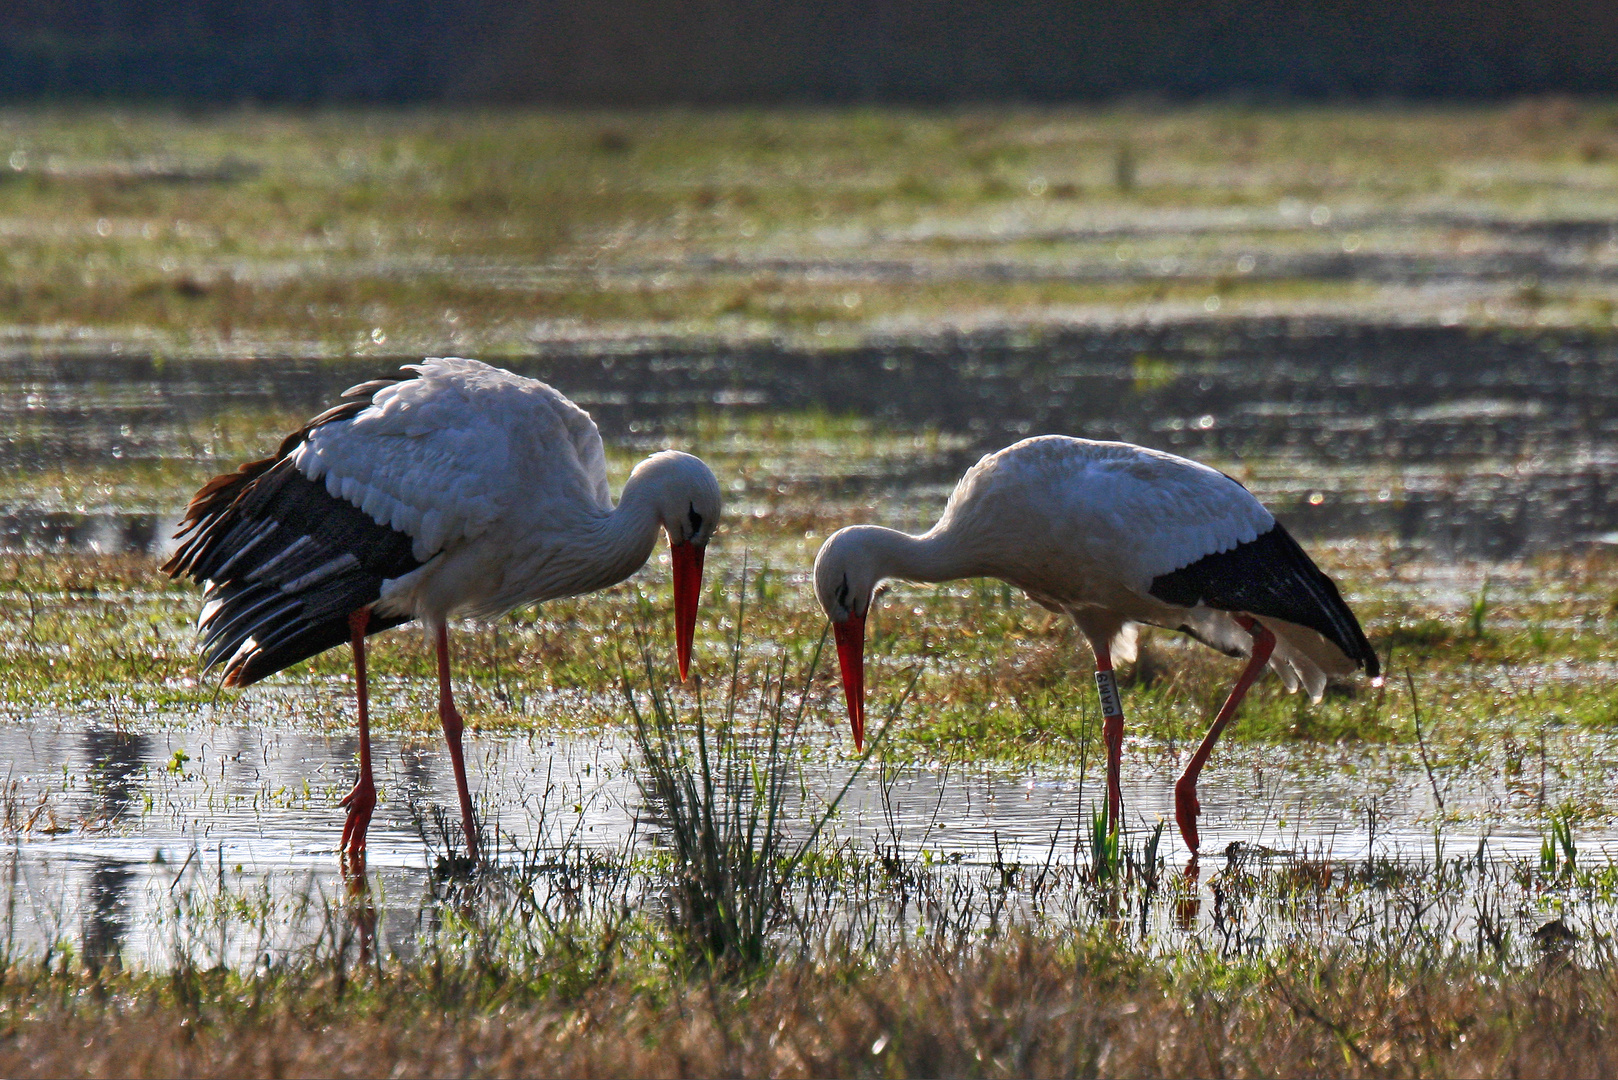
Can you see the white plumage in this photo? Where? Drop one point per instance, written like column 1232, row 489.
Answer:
column 463, row 446
column 457, row 490
column 1113, row 535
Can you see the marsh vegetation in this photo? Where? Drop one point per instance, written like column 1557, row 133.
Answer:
column 1410, row 358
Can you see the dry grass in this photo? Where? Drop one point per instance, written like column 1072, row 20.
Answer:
column 1020, row 1007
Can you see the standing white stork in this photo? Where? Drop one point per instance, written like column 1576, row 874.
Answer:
column 1113, row 535
column 454, row 490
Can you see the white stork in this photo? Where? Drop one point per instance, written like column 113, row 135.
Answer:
column 454, row 490
column 1114, row 535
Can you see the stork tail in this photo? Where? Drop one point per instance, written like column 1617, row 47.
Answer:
column 285, row 561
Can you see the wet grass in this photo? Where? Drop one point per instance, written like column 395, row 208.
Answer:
column 997, row 680
column 166, row 463
column 336, row 233
column 717, row 788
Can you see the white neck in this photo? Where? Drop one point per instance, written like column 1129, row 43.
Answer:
column 933, row 557
column 623, row 539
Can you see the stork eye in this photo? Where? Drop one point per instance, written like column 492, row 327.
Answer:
column 696, row 521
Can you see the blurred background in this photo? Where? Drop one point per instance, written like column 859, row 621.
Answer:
column 657, row 52
column 1361, row 255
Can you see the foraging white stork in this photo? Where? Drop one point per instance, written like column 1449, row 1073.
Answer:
column 454, row 490
column 1113, row 535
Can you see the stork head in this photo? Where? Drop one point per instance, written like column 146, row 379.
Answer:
column 686, row 495
column 847, row 572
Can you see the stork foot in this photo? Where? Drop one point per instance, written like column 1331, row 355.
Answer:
column 360, row 802
column 1186, row 809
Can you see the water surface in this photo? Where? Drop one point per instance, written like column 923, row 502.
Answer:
column 1457, row 441
column 121, row 842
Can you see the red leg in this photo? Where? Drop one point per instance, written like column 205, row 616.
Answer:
column 452, row 736
column 1112, row 732
column 362, row 800
column 1186, row 807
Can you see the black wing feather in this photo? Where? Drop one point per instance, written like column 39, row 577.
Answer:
column 1272, row 576
column 285, row 561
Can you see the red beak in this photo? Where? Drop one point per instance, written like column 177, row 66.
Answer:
column 850, row 634
column 687, row 560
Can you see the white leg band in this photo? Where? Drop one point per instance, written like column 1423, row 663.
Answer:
column 1112, row 706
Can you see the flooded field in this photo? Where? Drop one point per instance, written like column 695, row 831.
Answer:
column 1456, row 442
column 1396, row 329
column 126, row 844
column 1431, row 459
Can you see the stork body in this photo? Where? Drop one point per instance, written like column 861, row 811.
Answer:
column 1114, row 536
column 453, row 490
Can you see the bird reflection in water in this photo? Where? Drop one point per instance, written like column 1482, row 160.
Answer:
column 106, row 916
column 359, row 904
column 113, row 759
column 1188, row 906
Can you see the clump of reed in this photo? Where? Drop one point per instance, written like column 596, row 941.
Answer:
column 720, row 791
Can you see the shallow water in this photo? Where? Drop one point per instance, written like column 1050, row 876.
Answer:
column 132, row 844
column 1456, row 442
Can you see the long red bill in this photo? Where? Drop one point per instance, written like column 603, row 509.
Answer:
column 850, row 634
column 687, row 559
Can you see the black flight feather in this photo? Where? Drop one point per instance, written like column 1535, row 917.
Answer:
column 285, row 561
column 1270, row 575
